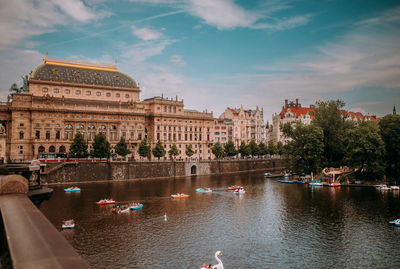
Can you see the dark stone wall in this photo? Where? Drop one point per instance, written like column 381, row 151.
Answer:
column 97, row 171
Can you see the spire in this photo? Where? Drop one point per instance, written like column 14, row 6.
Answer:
column 394, row 110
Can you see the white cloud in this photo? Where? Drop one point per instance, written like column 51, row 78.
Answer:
column 146, row 33
column 18, row 63
column 139, row 52
column 178, row 60
column 223, row 14
column 21, row 19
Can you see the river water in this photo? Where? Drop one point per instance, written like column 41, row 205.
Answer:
column 272, row 225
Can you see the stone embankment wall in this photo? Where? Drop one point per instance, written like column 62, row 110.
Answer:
column 99, row 171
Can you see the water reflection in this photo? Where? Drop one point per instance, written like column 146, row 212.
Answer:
column 272, row 225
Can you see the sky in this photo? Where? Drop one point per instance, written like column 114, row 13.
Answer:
column 219, row 53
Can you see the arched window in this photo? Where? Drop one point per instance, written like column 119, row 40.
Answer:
column 62, row 148
column 41, row 149
column 68, row 126
column 52, row 149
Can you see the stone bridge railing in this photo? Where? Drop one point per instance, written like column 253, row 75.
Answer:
column 27, row 238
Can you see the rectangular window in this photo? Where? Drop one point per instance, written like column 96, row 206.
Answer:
column 185, row 137
column 37, row 134
column 58, row 133
column 67, row 91
column 88, row 92
column 98, row 93
column 140, row 136
column 21, row 135
column 78, row 92
column 191, row 137
column 158, row 136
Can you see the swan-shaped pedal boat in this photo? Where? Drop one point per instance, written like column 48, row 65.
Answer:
column 217, row 266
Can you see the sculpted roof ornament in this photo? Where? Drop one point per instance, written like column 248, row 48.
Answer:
column 83, row 73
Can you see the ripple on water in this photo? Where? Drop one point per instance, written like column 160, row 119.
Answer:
column 271, row 226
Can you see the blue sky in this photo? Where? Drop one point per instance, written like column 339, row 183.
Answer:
column 219, row 53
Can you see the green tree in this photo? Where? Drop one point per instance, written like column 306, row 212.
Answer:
column 262, row 149
column 101, row 147
column 158, row 150
column 365, row 149
column 272, row 148
column 173, row 151
column 144, row 148
column 217, row 150
column 189, row 150
column 78, row 148
column 254, row 151
column 230, row 149
column 390, row 131
column 122, row 148
column 305, row 147
column 330, row 118
column 244, row 149
column 279, row 148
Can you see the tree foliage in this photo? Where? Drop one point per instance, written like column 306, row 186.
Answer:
column 101, row 147
column 272, row 148
column 262, row 149
column 173, row 151
column 144, row 148
column 329, row 117
column 279, row 148
column 253, row 147
column 230, row 149
column 365, row 149
column 122, row 148
column 79, row 147
column 158, row 150
column 244, row 149
column 303, row 151
column 390, row 131
column 189, row 150
column 217, row 150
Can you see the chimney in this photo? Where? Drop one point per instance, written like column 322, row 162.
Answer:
column 297, row 103
column 286, row 103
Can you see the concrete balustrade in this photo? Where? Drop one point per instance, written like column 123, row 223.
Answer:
column 30, row 240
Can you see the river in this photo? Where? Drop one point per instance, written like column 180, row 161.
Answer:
column 272, row 225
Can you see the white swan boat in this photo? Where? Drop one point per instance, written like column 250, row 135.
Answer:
column 382, row 187
column 216, row 266
column 395, row 188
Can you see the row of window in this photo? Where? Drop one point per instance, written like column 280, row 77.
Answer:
column 87, row 92
column 69, row 135
column 175, row 137
column 170, row 128
column 82, row 126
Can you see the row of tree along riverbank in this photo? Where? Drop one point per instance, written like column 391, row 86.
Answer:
column 68, row 172
column 334, row 140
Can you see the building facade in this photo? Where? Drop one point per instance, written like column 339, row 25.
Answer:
column 248, row 125
column 293, row 111
column 65, row 97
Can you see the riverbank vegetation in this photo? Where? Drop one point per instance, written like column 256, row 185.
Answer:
column 334, row 140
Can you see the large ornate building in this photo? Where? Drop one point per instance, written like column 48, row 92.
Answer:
column 246, row 125
column 66, row 97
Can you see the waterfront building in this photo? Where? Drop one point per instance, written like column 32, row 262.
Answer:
column 294, row 111
column 247, row 124
column 223, row 130
column 65, row 97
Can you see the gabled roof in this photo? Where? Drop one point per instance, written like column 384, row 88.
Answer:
column 298, row 111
